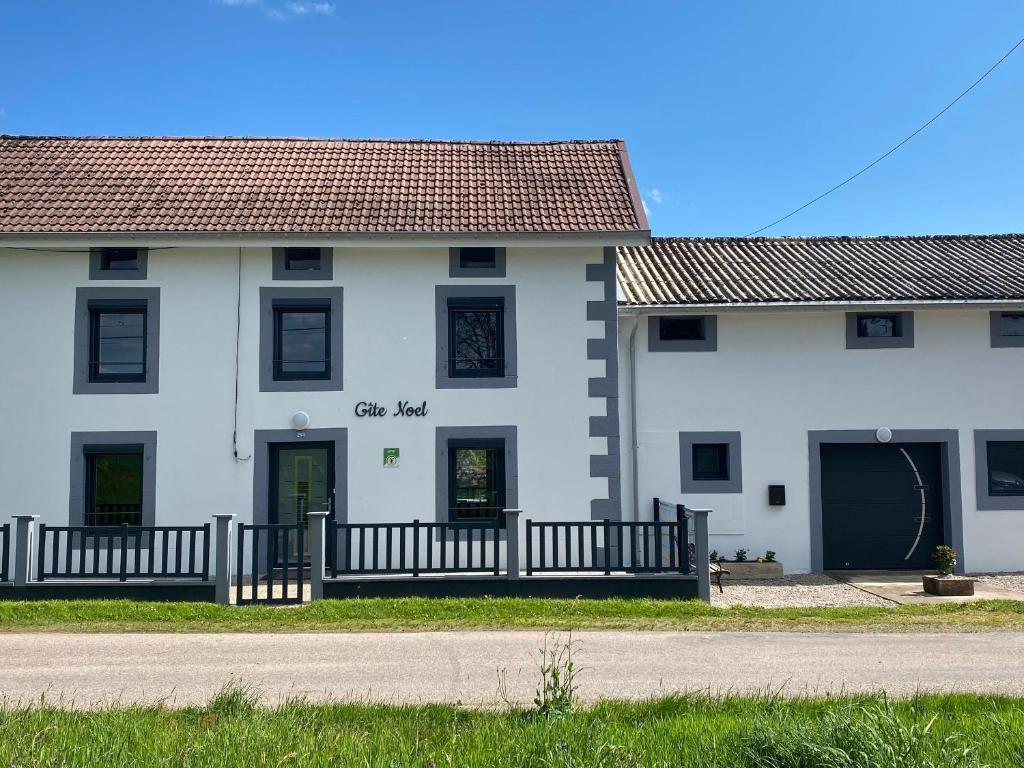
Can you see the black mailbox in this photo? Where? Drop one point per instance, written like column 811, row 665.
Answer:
column 776, row 495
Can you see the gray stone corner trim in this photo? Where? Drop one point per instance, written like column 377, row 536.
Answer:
column 264, row 438
column 735, row 482
column 708, row 344
column 904, row 341
column 442, row 442
column 326, row 271
column 96, row 271
column 985, row 499
column 952, row 498
column 90, row 298
column 274, row 296
column 442, row 295
column 78, row 488
column 455, row 269
column 606, row 387
column 996, row 332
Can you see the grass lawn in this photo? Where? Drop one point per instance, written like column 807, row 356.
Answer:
column 409, row 614
column 937, row 732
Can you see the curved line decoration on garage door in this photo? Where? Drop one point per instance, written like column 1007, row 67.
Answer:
column 920, row 488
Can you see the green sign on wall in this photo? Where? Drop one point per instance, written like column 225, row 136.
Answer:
column 390, row 457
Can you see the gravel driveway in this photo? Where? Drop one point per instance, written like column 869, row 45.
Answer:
column 792, row 592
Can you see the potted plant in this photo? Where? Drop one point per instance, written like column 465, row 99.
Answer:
column 945, row 584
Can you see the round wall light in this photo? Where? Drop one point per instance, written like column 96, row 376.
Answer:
column 300, row 420
column 883, row 434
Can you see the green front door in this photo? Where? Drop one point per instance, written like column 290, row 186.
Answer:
column 301, row 481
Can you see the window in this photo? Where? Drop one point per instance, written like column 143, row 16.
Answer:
column 476, row 336
column 301, row 339
column 476, row 262
column 114, row 485
column 117, row 344
column 1007, row 329
column 711, row 461
column 680, row 333
column 476, row 473
column 476, row 333
column 1006, row 468
column 681, row 328
column 113, row 479
column 476, row 481
column 879, row 330
column 301, row 259
column 118, row 263
column 302, row 263
column 302, row 348
column 117, row 341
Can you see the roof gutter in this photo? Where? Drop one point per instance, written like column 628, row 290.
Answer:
column 601, row 238
column 626, row 309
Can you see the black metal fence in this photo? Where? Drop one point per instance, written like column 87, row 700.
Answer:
column 122, row 552
column 413, row 548
column 277, row 560
column 606, row 546
column 682, row 537
column 5, row 552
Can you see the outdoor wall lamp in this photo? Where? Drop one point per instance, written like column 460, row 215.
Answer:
column 883, row 434
column 300, row 420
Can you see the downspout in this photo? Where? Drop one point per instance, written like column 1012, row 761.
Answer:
column 633, row 443
column 238, row 338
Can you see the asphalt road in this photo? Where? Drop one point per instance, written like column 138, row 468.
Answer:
column 90, row 670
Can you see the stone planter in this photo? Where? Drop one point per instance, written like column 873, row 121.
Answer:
column 752, row 570
column 948, row 586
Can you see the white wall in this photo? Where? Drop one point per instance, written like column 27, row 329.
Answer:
column 779, row 374
column 389, row 353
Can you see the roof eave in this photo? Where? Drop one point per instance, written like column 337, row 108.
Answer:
column 631, row 308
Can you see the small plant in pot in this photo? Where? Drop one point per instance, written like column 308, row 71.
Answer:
column 945, row 560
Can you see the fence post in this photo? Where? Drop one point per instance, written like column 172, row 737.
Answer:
column 700, row 551
column 512, row 543
column 317, row 525
column 23, row 549
column 222, row 560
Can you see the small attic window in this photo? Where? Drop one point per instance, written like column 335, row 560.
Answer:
column 476, row 262
column 477, row 258
column 117, row 263
column 119, row 259
column 302, row 259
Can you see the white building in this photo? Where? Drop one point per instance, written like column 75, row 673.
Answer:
column 399, row 330
column 877, row 382
column 389, row 330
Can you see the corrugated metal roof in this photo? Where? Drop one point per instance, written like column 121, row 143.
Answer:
column 716, row 271
column 151, row 184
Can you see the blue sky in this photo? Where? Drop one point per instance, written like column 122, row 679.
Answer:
column 734, row 112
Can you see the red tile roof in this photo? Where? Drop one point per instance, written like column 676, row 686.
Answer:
column 79, row 185
column 772, row 270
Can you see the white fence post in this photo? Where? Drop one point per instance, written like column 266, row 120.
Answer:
column 701, row 554
column 222, row 560
column 24, row 528
column 512, row 543
column 317, row 561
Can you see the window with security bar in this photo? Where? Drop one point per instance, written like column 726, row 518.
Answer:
column 476, row 481
column 476, row 330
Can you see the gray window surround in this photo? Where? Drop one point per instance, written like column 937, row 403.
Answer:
column 952, row 497
column 79, row 467
column 272, row 296
column 904, row 341
column 444, row 435
column 708, row 344
column 735, row 482
column 985, row 500
column 444, row 293
column 998, row 339
column 455, row 269
column 96, row 271
column 264, row 438
column 89, row 298
column 326, row 271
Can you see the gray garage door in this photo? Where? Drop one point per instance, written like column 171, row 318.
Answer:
column 882, row 505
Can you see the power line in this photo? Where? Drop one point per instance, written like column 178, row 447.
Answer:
column 875, row 162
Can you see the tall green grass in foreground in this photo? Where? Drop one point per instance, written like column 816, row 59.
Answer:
column 691, row 731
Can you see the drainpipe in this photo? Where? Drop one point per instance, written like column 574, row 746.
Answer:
column 633, row 443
